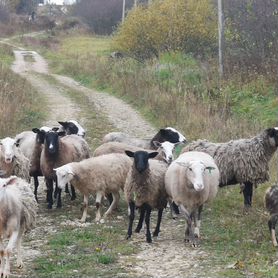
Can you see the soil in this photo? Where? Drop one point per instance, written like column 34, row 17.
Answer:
column 167, row 256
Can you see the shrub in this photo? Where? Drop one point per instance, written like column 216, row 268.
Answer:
column 188, row 26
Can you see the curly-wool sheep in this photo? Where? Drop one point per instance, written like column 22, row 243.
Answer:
column 165, row 134
column 145, row 189
column 165, row 149
column 271, row 204
column 58, row 151
column 190, row 181
column 18, row 209
column 12, row 160
column 243, row 161
column 100, row 176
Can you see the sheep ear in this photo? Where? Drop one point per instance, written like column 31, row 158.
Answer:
column 64, row 124
column 183, row 164
column 17, row 142
column 61, row 133
column 35, row 130
column 129, row 153
column 55, row 128
column 153, row 154
column 210, row 168
column 157, row 144
column 11, row 181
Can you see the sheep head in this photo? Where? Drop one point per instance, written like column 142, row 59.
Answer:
column 8, row 147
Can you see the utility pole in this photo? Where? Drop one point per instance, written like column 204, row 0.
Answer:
column 123, row 14
column 135, row 3
column 220, row 37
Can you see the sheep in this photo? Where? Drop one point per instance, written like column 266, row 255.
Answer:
column 165, row 134
column 271, row 204
column 243, row 161
column 145, row 189
column 100, row 175
column 30, row 143
column 56, row 152
column 190, row 181
column 12, row 160
column 165, row 149
column 72, row 127
column 18, row 209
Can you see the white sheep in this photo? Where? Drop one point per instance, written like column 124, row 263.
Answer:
column 191, row 181
column 165, row 149
column 145, row 189
column 12, row 160
column 100, row 176
column 18, row 209
column 164, row 134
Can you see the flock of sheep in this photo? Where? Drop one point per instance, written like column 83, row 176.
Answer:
column 144, row 169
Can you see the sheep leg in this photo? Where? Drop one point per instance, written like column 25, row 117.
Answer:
column 197, row 222
column 271, row 224
column 98, row 204
column 85, row 209
column 141, row 220
column 147, row 221
column 110, row 198
column 67, row 188
column 36, row 185
column 159, row 217
column 73, row 194
column 7, row 253
column 59, row 201
column 49, row 195
column 2, row 263
column 189, row 231
column 247, row 193
column 131, row 218
column 174, row 210
column 19, row 261
column 116, row 198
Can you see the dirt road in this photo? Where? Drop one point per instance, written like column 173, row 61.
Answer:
column 167, row 256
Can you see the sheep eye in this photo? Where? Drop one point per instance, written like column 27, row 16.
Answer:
column 190, row 169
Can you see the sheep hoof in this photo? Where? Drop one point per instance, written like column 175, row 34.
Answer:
column 128, row 237
column 155, row 233
column 137, row 230
column 49, row 206
column 149, row 240
column 20, row 265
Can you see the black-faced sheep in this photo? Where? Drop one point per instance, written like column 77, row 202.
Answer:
column 100, row 176
column 58, row 151
column 30, row 143
column 243, row 161
column 12, row 160
column 192, row 180
column 165, row 149
column 18, row 209
column 165, row 134
column 72, row 127
column 271, row 204
column 145, row 189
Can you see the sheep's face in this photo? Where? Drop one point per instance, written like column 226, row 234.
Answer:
column 169, row 134
column 195, row 171
column 273, row 135
column 64, row 175
column 41, row 133
column 52, row 142
column 8, row 147
column 73, row 127
column 165, row 149
column 141, row 159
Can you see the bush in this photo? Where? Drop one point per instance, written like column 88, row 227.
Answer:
column 188, row 26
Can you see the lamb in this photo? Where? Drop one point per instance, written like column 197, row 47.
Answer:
column 97, row 175
column 12, row 160
column 30, row 143
column 271, row 204
column 56, row 152
column 18, row 209
column 145, row 189
column 165, row 134
column 191, row 181
column 243, row 161
column 72, row 127
column 165, row 149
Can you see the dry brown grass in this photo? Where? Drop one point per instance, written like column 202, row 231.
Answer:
column 18, row 104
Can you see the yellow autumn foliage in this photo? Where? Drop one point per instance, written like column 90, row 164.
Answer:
column 168, row 25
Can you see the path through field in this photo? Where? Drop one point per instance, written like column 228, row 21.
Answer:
column 167, row 256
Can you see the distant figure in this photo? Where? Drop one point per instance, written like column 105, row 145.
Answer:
column 32, row 16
